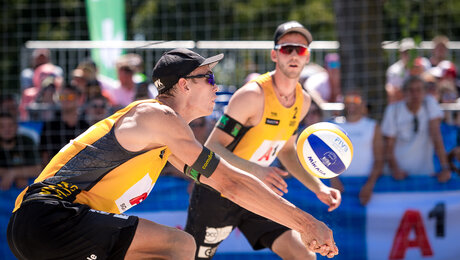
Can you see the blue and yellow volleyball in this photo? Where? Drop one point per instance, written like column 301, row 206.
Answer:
column 324, row 150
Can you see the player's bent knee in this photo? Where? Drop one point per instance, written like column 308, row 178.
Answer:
column 184, row 247
column 153, row 240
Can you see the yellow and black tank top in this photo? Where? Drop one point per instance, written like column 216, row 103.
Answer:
column 94, row 169
column 262, row 142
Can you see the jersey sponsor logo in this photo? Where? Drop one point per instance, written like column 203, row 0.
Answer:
column 92, row 257
column 136, row 200
column 296, row 109
column 206, row 251
column 267, row 152
column 60, row 190
column 270, row 121
column 216, row 235
column 136, row 194
column 273, row 113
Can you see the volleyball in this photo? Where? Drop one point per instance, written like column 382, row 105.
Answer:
column 324, row 150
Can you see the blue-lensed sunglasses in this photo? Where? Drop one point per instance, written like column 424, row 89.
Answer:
column 209, row 76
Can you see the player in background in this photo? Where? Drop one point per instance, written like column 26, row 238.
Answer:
column 260, row 124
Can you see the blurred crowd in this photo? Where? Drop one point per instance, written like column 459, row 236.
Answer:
column 416, row 136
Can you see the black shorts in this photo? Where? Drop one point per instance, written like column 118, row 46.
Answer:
column 52, row 229
column 211, row 218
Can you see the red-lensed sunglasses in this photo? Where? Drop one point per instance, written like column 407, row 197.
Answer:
column 287, row 48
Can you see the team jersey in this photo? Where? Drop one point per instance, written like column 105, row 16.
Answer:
column 262, row 142
column 94, row 169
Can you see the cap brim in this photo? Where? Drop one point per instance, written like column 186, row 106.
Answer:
column 212, row 61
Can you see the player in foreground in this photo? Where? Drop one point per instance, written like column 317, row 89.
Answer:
column 73, row 209
column 259, row 124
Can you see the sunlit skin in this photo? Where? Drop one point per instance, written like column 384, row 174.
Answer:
column 290, row 65
column 202, row 94
column 202, row 91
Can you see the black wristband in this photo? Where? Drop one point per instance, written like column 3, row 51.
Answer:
column 206, row 163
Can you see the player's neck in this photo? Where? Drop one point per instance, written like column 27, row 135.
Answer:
column 179, row 106
column 284, row 89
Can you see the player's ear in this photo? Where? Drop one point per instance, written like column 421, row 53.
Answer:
column 274, row 56
column 183, row 85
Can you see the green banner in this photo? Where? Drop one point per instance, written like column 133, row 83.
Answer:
column 106, row 22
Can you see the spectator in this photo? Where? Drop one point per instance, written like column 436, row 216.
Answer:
column 366, row 136
column 399, row 71
column 440, row 50
column 104, row 82
column 96, row 109
column 66, row 125
column 9, row 105
column 144, row 88
column 129, row 68
column 46, row 83
column 326, row 85
column 19, row 158
column 39, row 57
column 411, row 128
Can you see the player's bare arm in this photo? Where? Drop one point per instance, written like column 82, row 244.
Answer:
column 242, row 188
column 246, row 107
column 288, row 157
column 139, row 131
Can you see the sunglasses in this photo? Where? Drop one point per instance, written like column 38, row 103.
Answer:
column 209, row 76
column 67, row 97
column 287, row 48
column 353, row 100
column 415, row 123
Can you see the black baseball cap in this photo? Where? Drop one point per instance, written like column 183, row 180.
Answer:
column 176, row 64
column 289, row 27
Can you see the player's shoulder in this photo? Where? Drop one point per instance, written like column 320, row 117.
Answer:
column 251, row 92
column 154, row 110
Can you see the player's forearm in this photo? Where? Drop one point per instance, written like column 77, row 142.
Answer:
column 230, row 157
column 247, row 191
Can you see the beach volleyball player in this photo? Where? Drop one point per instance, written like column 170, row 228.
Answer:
column 260, row 123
